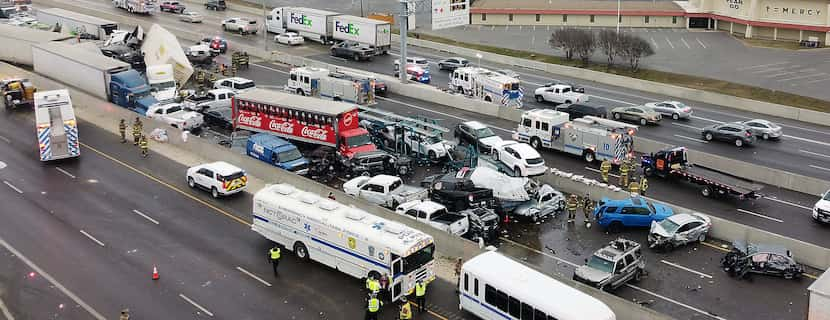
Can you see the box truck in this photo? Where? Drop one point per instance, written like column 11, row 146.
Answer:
column 374, row 33
column 136, row 6
column 312, row 24
column 77, row 23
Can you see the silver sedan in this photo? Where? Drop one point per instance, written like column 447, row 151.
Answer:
column 191, row 16
column 764, row 129
column 674, row 109
column 678, row 229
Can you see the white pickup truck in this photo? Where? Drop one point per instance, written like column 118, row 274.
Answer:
column 559, row 93
column 215, row 98
column 385, row 190
column 241, row 25
column 435, row 215
column 172, row 114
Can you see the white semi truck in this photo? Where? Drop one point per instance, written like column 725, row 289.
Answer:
column 162, row 83
column 312, row 24
column 160, row 47
column 376, row 34
column 77, row 23
column 136, row 6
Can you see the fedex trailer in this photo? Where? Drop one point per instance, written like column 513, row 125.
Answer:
column 312, row 24
column 375, row 33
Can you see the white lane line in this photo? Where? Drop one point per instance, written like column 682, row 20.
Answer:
column 269, row 68
column 493, row 27
column 669, row 41
column 437, row 112
column 65, row 172
column 13, row 187
column 802, row 77
column 807, row 140
column 789, row 203
column 253, row 276
column 701, row 43
column 690, row 138
column 813, row 153
column 769, row 70
column 684, row 42
column 760, row 215
column 6, row 312
column 339, row 58
column 145, row 216
column 701, row 274
column 92, row 238
column 763, row 65
column 52, row 280
column 598, row 171
column 195, row 304
column 676, row 302
column 817, row 80
column 5, row 139
column 820, row 168
column 779, row 74
column 686, row 126
column 655, row 43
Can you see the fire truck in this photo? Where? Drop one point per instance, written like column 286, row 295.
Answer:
column 305, row 119
column 56, row 126
column 486, row 85
column 590, row 137
column 322, row 83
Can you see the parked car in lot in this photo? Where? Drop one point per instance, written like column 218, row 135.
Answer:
column 520, row 157
column 221, row 118
column 678, row 230
column 351, row 50
column 674, row 109
column 764, row 129
column 453, row 63
column 191, row 16
column 575, row 87
column 639, row 114
column 575, row 111
column 745, row 259
column 614, row 215
column 612, row 265
column 289, row 38
column 478, row 134
column 171, row 6
column 217, row 44
column 241, row 25
column 821, row 210
column 736, row 132
column 220, row 178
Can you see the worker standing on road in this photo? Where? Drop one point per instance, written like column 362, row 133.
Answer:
column 572, row 205
column 373, row 285
column 624, row 167
column 406, row 310
column 587, row 209
column 136, row 131
column 144, row 145
column 643, row 185
column 274, row 257
column 605, row 169
column 457, row 272
column 634, row 187
column 421, row 295
column 384, row 285
column 122, row 129
column 373, row 307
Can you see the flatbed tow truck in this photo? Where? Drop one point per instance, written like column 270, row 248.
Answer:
column 674, row 163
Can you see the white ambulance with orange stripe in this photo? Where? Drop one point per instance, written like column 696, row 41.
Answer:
column 220, row 178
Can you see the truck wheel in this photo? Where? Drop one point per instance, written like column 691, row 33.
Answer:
column 616, row 116
column 536, row 143
column 615, row 227
column 214, row 192
column 739, row 143
column 701, row 238
column 301, row 251
column 374, row 275
column 567, row 101
column 765, row 136
column 706, row 191
column 191, row 183
column 488, row 99
column 539, row 99
column 589, row 157
column 643, row 121
column 432, row 156
column 638, row 275
column 648, row 171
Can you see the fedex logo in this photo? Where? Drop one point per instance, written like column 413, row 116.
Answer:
column 300, row 19
column 348, row 28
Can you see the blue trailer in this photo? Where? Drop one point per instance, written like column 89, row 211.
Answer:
column 278, row 152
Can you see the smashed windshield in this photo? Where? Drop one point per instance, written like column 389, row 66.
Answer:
column 290, row 155
column 669, row 226
column 601, row 264
column 356, row 141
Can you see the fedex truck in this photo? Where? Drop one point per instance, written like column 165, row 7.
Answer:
column 312, row 24
column 376, row 34
column 56, row 126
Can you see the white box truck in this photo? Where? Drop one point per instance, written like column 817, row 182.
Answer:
column 136, row 6
column 312, row 24
column 77, row 23
column 376, row 34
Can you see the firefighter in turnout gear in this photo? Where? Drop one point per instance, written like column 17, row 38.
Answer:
column 137, row 126
column 200, row 80
column 122, row 129
column 373, row 305
column 587, row 209
column 212, row 79
column 643, row 185
column 605, row 169
column 624, row 167
column 634, row 187
column 143, row 144
column 572, row 205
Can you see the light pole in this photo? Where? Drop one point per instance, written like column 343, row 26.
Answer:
column 618, row 16
column 478, row 55
column 404, row 31
column 264, row 25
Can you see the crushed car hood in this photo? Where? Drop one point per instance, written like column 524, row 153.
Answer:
column 591, row 274
column 504, row 187
column 658, row 229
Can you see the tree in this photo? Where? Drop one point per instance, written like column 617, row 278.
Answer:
column 634, row 48
column 564, row 39
column 608, row 42
column 585, row 44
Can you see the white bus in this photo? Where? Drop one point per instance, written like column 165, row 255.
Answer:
column 57, row 128
column 493, row 286
column 344, row 237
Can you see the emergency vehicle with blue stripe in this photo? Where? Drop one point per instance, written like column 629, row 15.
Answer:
column 487, row 85
column 56, row 126
column 591, row 138
column 343, row 237
column 322, row 83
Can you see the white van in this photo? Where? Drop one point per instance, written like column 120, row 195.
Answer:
column 821, row 211
column 493, row 286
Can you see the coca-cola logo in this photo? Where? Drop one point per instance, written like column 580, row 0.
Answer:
column 252, row 121
column 319, row 134
column 347, row 119
column 285, row 127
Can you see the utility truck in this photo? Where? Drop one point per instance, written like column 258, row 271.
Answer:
column 376, row 34
column 312, row 24
column 487, row 85
column 77, row 23
column 57, row 128
column 322, row 83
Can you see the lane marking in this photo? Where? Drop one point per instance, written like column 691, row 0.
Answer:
column 763, row 65
column 807, row 140
column 789, row 203
column 5, row 139
column 600, row 171
column 785, row 135
column 690, row 138
column 65, row 172
column 769, row 70
column 701, row 43
column 195, row 304
column 253, row 276
column 93, row 238
column 614, row 100
column 817, row 80
column 145, row 216
column 810, row 276
column 714, row 246
column 701, row 274
column 52, row 280
column 820, row 168
column 802, row 77
column 686, row 126
column 269, row 68
column 760, row 215
column 540, row 252
column 779, row 74
column 6, row 312
column 13, row 187
column 676, row 302
column 684, row 42
column 655, row 44
column 670, row 44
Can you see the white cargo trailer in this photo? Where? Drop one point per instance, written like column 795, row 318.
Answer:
column 87, row 70
column 77, row 23
column 136, row 6
column 162, row 47
column 375, row 33
column 312, row 24
column 17, row 42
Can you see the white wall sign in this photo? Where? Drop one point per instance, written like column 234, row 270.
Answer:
column 450, row 13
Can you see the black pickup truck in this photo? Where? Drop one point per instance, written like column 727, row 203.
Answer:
column 462, row 196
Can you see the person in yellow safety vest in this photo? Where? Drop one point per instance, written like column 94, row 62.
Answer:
column 643, row 185
column 571, row 206
column 624, row 167
column 406, row 310
column 605, row 169
column 587, row 209
column 136, row 131
column 421, row 295
column 144, row 145
column 122, row 129
column 274, row 256
column 373, row 307
column 374, row 286
column 634, row 187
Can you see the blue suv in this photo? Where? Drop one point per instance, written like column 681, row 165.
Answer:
column 632, row 212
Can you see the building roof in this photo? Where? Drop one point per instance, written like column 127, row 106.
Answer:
column 575, row 7
column 297, row 102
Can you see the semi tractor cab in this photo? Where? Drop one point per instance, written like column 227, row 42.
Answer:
column 57, row 128
column 129, row 89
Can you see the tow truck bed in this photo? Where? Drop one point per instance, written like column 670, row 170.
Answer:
column 703, row 175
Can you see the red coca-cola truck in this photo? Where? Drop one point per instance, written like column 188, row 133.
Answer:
column 305, row 119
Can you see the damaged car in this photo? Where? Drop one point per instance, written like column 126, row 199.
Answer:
column 613, row 265
column 678, row 230
column 519, row 196
column 745, row 259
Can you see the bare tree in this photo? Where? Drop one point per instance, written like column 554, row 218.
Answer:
column 585, row 44
column 634, row 48
column 564, row 39
column 608, row 42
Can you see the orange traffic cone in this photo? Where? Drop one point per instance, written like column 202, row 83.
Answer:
column 155, row 273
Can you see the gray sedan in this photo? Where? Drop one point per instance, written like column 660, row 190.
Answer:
column 452, row 63
column 640, row 114
column 677, row 230
column 764, row 129
column 191, row 16
column 674, row 109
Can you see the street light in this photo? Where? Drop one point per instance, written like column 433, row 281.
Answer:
column 618, row 16
column 478, row 55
